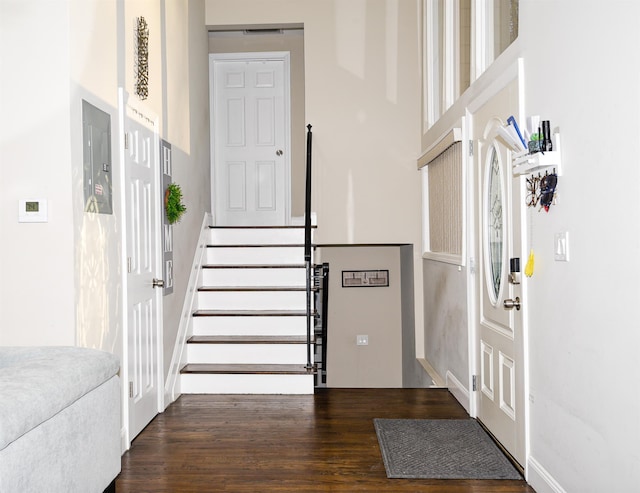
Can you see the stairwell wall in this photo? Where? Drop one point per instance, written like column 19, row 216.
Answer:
column 362, row 85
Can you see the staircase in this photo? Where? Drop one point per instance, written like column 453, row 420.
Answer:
column 250, row 326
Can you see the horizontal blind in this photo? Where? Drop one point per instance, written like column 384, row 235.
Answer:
column 445, row 201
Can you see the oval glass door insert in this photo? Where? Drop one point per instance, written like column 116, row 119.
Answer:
column 495, row 225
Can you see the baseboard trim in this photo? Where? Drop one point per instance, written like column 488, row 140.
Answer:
column 435, row 377
column 540, row 479
column 172, row 385
column 459, row 391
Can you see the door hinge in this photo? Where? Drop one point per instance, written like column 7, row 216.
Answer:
column 474, row 383
column 129, row 265
column 126, row 140
column 471, row 148
column 130, row 390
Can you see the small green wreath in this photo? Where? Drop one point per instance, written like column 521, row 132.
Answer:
column 173, row 203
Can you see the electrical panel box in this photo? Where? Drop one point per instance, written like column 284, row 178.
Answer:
column 96, row 154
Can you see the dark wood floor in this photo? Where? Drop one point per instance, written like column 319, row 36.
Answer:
column 321, row 442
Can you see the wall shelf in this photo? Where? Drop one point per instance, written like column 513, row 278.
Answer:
column 525, row 163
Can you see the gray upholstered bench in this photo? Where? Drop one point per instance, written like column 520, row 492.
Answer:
column 59, row 420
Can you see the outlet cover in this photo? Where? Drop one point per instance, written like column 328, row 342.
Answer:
column 362, row 340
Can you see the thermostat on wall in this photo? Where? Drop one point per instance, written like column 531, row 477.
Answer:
column 32, row 211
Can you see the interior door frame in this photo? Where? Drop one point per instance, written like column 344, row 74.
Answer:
column 513, row 72
column 285, row 57
column 124, row 101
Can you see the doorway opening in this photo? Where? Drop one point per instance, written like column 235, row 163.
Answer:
column 257, row 128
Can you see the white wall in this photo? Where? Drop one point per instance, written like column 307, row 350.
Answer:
column 36, row 260
column 584, row 336
column 362, row 95
column 582, row 72
column 62, row 280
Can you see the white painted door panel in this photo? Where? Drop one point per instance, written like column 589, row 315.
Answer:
column 499, row 330
column 142, row 175
column 250, row 140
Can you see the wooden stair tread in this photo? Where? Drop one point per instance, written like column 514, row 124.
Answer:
column 250, row 339
column 290, row 226
column 257, row 245
column 250, row 313
column 242, row 369
column 253, row 266
column 252, row 288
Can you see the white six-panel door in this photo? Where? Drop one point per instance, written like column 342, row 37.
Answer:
column 142, row 175
column 250, row 136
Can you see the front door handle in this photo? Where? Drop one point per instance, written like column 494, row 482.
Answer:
column 157, row 283
column 510, row 304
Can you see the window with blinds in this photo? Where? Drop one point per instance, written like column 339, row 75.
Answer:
column 445, row 203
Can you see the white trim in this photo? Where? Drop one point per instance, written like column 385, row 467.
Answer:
column 439, row 146
column 449, row 81
column 470, row 239
column 538, row 477
column 172, row 386
column 447, row 258
column 431, row 371
column 285, row 57
column 124, row 364
column 459, row 391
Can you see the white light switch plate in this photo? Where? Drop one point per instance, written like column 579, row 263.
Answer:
column 561, row 248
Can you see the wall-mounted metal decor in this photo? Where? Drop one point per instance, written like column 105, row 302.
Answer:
column 365, row 278
column 142, row 58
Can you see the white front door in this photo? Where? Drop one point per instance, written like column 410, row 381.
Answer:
column 499, row 330
column 144, row 301
column 250, row 138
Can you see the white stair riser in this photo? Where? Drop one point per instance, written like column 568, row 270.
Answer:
column 294, row 354
column 254, row 277
column 268, row 325
column 257, row 236
column 255, row 255
column 252, row 300
column 246, row 384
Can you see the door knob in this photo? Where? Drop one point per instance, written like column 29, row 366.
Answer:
column 157, row 283
column 279, row 152
column 510, row 304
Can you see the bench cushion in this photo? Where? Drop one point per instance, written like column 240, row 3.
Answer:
column 36, row 383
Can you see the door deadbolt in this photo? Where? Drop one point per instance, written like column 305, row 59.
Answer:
column 279, row 152
column 157, row 283
column 510, row 304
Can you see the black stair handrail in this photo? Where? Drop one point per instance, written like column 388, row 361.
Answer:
column 307, row 246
